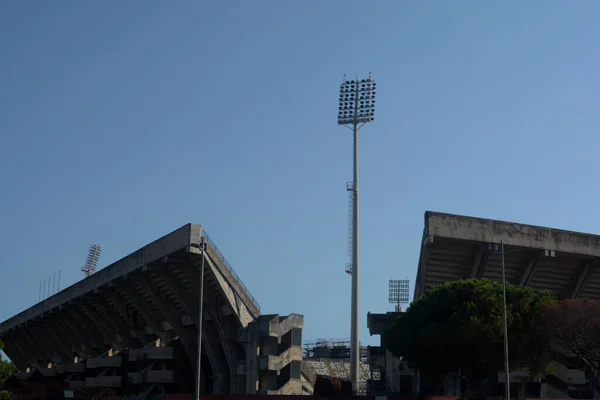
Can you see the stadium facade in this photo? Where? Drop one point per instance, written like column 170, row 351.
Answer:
column 132, row 328
column 456, row 247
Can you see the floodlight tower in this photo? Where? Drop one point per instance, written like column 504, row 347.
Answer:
column 91, row 262
column 399, row 292
column 356, row 108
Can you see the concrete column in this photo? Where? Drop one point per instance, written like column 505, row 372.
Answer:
column 115, row 301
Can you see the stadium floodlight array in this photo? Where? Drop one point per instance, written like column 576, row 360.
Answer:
column 399, row 292
column 357, row 101
column 91, row 262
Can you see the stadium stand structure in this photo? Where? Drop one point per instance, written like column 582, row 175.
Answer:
column 330, row 358
column 457, row 247
column 131, row 329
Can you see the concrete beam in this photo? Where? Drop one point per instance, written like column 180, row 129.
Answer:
column 421, row 283
column 580, row 278
column 172, row 317
column 226, row 274
column 71, row 324
column 144, row 312
column 179, row 240
column 74, row 344
column 230, row 294
column 47, row 339
column 63, row 345
column 25, row 354
column 223, row 338
column 97, row 326
column 38, row 349
column 30, row 353
column 176, row 288
column 87, row 331
column 15, row 353
column 115, row 301
column 479, row 262
column 100, row 323
column 209, row 341
column 527, row 270
column 511, row 234
column 116, row 323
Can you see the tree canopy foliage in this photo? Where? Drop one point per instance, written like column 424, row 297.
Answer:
column 7, row 368
column 573, row 330
column 459, row 326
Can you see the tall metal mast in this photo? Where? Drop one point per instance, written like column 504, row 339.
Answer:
column 356, row 108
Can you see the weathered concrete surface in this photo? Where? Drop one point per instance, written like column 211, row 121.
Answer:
column 512, row 234
column 273, row 343
column 458, row 247
column 171, row 243
column 148, row 299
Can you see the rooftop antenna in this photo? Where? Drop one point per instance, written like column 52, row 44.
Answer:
column 399, row 292
column 91, row 262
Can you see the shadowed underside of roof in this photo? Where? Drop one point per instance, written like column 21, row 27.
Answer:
column 458, row 247
column 151, row 294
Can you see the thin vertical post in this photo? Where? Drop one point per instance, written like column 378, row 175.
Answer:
column 200, row 321
column 506, row 368
column 54, row 284
column 354, row 328
column 40, row 292
column 59, row 280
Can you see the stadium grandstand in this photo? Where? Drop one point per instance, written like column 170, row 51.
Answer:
column 132, row 327
column 457, row 247
column 331, row 358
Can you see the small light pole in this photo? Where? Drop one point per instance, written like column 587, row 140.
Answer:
column 356, row 108
column 200, row 320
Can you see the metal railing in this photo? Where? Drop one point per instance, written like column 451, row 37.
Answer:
column 231, row 270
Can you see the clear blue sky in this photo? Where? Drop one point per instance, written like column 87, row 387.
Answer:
column 122, row 121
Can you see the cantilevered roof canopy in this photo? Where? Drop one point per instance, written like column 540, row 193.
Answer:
column 458, row 247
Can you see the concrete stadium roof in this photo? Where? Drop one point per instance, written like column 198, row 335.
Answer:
column 458, row 247
column 148, row 295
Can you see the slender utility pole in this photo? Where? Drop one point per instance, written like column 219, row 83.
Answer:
column 494, row 248
column 354, row 329
column 506, row 369
column 356, row 107
column 200, row 320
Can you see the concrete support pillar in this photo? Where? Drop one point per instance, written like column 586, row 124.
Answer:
column 115, row 301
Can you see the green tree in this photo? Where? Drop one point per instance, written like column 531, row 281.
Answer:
column 7, row 368
column 573, row 330
column 459, row 326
